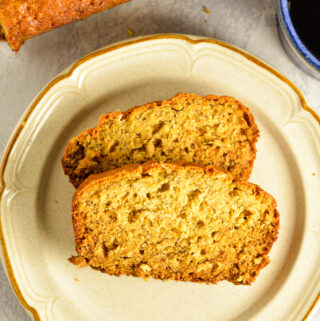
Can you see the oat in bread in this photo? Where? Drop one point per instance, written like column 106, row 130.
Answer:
column 211, row 130
column 177, row 221
column 21, row 20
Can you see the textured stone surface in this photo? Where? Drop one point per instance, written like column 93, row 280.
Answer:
column 249, row 24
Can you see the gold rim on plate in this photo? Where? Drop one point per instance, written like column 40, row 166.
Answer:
column 31, row 108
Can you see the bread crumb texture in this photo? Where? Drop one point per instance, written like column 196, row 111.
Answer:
column 174, row 221
column 206, row 10
column 211, row 130
column 130, row 32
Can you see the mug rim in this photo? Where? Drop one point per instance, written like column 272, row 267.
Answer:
column 293, row 36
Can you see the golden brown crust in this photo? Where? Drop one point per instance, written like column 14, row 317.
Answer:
column 22, row 19
column 145, row 169
column 242, row 170
column 2, row 37
column 151, row 165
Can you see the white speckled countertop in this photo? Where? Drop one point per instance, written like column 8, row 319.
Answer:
column 248, row 24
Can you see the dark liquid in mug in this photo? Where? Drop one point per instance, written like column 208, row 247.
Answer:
column 305, row 16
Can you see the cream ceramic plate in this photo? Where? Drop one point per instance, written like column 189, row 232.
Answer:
column 36, row 229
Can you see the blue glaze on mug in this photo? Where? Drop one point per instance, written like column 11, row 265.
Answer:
column 292, row 42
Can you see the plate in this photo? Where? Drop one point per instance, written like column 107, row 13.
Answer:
column 36, row 229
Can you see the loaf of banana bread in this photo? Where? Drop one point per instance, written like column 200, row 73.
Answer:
column 24, row 19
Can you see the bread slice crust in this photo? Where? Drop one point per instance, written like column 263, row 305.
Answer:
column 22, row 20
column 210, row 130
column 213, row 227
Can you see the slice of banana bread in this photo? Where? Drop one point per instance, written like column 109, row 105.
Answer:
column 176, row 221
column 211, row 130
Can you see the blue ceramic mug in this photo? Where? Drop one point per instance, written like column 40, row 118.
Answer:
column 293, row 44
